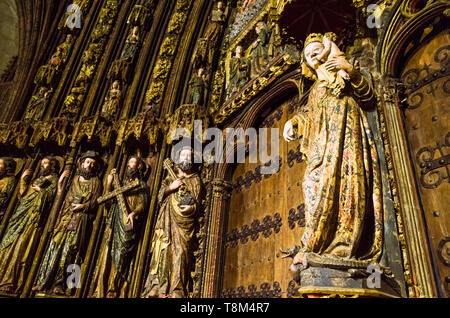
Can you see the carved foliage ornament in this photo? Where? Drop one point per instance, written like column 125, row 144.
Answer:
column 434, row 170
column 252, row 231
column 167, row 52
column 264, row 292
column 91, row 56
column 415, row 79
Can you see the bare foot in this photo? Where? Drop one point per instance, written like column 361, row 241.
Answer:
column 7, row 289
column 35, row 289
column 300, row 258
column 111, row 295
column 58, row 290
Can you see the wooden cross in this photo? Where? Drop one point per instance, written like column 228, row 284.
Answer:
column 118, row 192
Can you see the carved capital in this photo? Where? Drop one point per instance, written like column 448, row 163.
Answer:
column 221, row 188
column 182, row 121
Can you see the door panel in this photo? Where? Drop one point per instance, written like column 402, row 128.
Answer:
column 265, row 214
column 427, row 122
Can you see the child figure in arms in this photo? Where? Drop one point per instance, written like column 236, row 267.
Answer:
column 333, row 80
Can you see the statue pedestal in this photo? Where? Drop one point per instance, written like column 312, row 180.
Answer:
column 319, row 282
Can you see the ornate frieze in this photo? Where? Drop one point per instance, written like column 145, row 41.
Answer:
column 183, row 118
column 297, row 217
column 254, row 176
column 265, row 227
column 252, row 291
column 434, row 170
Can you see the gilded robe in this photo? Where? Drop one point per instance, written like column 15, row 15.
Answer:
column 260, row 52
column 197, row 87
column 239, row 74
column 119, row 243
column 212, row 33
column 342, row 182
column 23, row 231
column 172, row 250
column 6, row 188
column 71, row 234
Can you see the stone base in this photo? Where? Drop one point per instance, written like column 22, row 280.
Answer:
column 330, row 282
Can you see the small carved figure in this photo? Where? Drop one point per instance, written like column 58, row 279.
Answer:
column 213, row 31
column 333, row 80
column 197, row 87
column 246, row 4
column 260, row 49
column 239, row 72
column 131, row 47
column 112, row 101
column 37, row 105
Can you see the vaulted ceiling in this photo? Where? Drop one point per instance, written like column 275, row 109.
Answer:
column 302, row 17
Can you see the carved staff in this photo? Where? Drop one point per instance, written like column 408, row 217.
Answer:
column 61, row 196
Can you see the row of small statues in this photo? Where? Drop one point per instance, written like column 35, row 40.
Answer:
column 126, row 202
column 244, row 67
column 111, row 105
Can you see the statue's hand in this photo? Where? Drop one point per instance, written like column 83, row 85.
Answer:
column 131, row 219
column 290, row 252
column 26, row 173
column 77, row 207
column 65, row 174
column 110, row 179
column 338, row 63
column 288, row 132
column 175, row 185
column 187, row 208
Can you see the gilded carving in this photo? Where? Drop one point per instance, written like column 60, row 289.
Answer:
column 167, row 53
column 183, row 119
column 90, row 58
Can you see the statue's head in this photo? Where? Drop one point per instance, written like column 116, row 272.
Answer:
column 135, row 168
column 185, row 159
column 42, row 89
column 219, row 5
column 116, row 85
column 259, row 26
column 90, row 164
column 238, row 50
column 7, row 167
column 312, row 48
column 311, row 52
column 49, row 166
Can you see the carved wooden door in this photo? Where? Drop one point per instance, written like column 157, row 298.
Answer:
column 266, row 213
column 427, row 121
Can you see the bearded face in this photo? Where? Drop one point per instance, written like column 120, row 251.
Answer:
column 46, row 168
column 185, row 161
column 88, row 168
column 134, row 169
